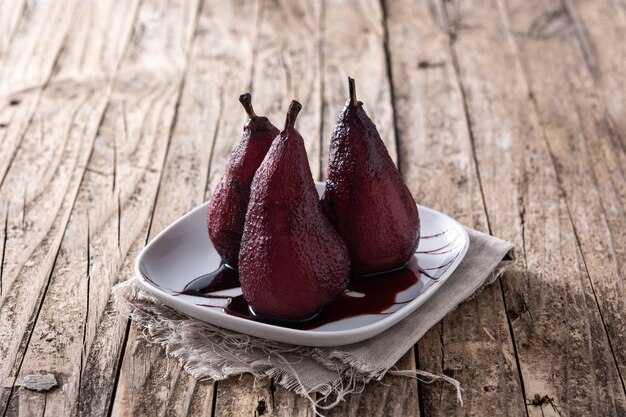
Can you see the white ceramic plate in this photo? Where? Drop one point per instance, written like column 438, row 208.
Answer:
column 183, row 251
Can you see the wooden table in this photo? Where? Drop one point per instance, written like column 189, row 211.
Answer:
column 118, row 116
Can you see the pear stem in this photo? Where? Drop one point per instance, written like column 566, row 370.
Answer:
column 292, row 114
column 352, row 89
column 246, row 101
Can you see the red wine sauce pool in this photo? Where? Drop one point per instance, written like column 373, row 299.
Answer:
column 365, row 295
column 223, row 278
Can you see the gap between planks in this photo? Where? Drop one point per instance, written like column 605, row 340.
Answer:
column 39, row 303
column 170, row 134
column 451, row 33
column 592, row 66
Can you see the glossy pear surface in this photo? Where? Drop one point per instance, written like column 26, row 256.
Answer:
column 292, row 261
column 229, row 203
column 366, row 198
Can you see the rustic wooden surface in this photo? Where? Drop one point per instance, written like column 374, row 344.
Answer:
column 116, row 117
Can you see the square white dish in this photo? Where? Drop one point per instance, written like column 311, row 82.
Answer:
column 183, row 252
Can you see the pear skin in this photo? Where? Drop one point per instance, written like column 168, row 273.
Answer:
column 229, row 203
column 292, row 261
column 366, row 199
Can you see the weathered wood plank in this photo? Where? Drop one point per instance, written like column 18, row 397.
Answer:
column 473, row 343
column 547, row 163
column 589, row 148
column 242, row 396
column 209, row 124
column 600, row 31
column 589, row 158
column 286, row 403
column 53, row 156
column 353, row 44
column 135, row 137
column 32, row 53
column 11, row 14
column 26, row 67
column 152, row 384
column 287, row 67
column 141, row 171
column 40, row 191
column 563, row 349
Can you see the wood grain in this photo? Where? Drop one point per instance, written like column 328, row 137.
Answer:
column 117, row 117
column 527, row 206
column 208, row 125
column 287, row 67
column 152, row 384
column 589, row 155
column 59, row 329
column 27, row 65
column 391, row 396
column 436, row 151
column 40, row 192
column 11, row 15
column 243, row 396
column 600, row 30
column 134, row 139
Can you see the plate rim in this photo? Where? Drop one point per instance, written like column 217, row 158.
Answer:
column 368, row 330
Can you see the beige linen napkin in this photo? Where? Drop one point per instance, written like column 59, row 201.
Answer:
column 209, row 352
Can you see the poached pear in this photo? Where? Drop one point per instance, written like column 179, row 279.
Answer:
column 229, row 203
column 365, row 198
column 292, row 261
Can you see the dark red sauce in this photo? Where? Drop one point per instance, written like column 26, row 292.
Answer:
column 374, row 294
column 223, row 278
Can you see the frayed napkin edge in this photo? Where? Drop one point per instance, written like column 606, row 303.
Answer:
column 348, row 381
